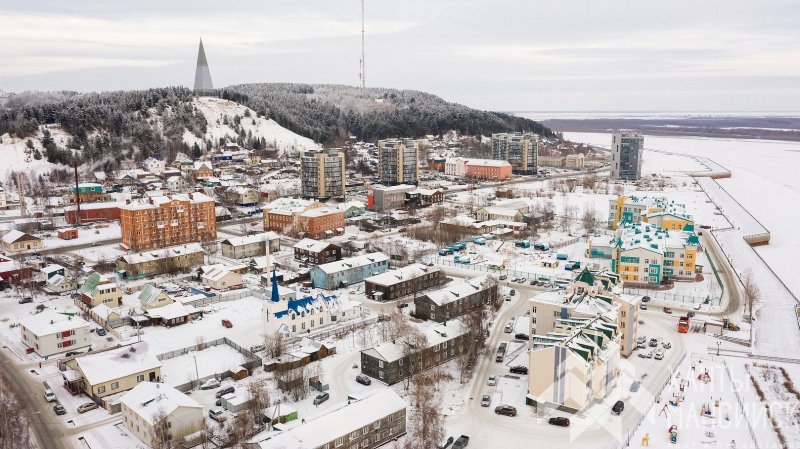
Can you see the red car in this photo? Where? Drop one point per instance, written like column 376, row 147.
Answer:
column 227, row 323
column 667, row 310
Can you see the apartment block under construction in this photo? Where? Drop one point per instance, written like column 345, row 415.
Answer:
column 322, row 174
column 164, row 221
column 521, row 150
column 398, row 161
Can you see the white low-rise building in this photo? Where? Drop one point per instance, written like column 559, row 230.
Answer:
column 308, row 314
column 50, row 333
column 146, row 407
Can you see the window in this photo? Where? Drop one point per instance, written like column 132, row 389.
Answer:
column 101, row 389
column 140, row 378
column 115, row 385
column 339, row 441
column 380, row 363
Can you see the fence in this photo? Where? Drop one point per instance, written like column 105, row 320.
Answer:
column 485, row 269
column 657, row 296
column 253, row 361
column 741, row 405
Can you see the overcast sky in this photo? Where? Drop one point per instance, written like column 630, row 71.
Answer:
column 564, row 55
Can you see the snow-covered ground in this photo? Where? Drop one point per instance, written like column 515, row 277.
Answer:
column 214, row 109
column 17, row 156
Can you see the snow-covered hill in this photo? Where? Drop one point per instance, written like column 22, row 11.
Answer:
column 216, row 110
column 16, row 155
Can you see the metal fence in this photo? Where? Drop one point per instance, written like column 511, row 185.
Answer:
column 741, row 405
column 658, row 295
column 485, row 269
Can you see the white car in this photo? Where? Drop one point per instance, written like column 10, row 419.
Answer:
column 210, row 384
column 217, row 414
column 492, row 381
column 486, row 400
column 49, row 396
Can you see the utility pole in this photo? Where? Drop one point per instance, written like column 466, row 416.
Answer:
column 363, row 74
column 77, row 191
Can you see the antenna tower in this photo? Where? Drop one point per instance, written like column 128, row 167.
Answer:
column 363, row 74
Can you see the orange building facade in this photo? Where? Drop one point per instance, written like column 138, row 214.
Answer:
column 321, row 222
column 489, row 169
column 167, row 221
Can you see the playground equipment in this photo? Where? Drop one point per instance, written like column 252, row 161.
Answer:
column 706, row 411
column 673, row 434
column 646, row 440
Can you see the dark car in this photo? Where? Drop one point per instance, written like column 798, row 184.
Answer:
column 322, row 397
column 559, row 421
column 645, row 298
column 618, row 407
column 521, row 336
column 26, row 300
column 59, row 409
column 690, row 314
column 506, row 410
column 101, row 332
column 227, row 323
column 519, row 370
column 667, row 310
column 363, row 379
column 222, row 392
column 71, row 353
column 461, row 442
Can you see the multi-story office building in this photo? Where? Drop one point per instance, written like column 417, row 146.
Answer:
column 660, row 211
column 519, row 149
column 322, row 174
column 383, row 198
column 626, row 155
column 398, row 161
column 168, row 220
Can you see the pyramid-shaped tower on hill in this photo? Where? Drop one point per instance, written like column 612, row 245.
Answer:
column 202, row 76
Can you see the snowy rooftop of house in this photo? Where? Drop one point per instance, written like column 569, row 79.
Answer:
column 102, row 311
column 399, row 275
column 435, row 334
column 49, row 322
column 319, row 212
column 147, row 256
column 100, row 367
column 15, row 235
column 171, row 311
column 149, row 399
column 256, row 238
column 351, row 204
column 288, row 205
column 397, row 188
column 454, row 292
column 312, row 245
column 501, row 211
column 353, row 262
column 149, row 294
column 338, row 423
column 216, row 273
column 488, row 162
column 98, row 205
column 51, row 268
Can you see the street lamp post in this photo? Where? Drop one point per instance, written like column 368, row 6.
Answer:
column 718, row 345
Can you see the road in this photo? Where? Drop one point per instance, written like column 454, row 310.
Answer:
column 48, row 433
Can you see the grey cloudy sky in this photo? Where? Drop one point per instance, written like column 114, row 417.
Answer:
column 565, row 55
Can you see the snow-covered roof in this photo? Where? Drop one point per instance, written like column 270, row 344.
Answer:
column 338, row 423
column 312, row 245
column 156, row 201
column 488, row 162
column 246, row 240
column 353, row 262
column 454, row 292
column 435, row 333
column 319, row 212
column 171, row 311
column 52, row 268
column 149, row 399
column 49, row 322
column 102, row 311
column 13, row 236
column 288, row 205
column 158, row 254
column 101, row 367
column 399, row 275
column 149, row 295
column 501, row 211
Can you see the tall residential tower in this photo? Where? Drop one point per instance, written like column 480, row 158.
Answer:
column 398, row 161
column 521, row 150
column 322, row 174
column 626, row 155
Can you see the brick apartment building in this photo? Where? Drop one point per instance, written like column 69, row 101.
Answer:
column 488, row 169
column 321, row 222
column 168, row 220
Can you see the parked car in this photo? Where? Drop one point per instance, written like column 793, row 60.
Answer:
column 507, row 410
column 257, row 348
column 618, row 407
column 363, row 379
column 667, row 310
column 486, row 400
column 101, row 332
column 642, row 355
column 666, row 345
column 210, row 384
column 534, row 282
column 635, row 386
column 509, row 327
column 653, row 342
column 461, row 442
column 59, row 409
column 492, row 381
column 641, row 345
column 690, row 314
column 222, row 392
column 512, row 292
column 643, row 306
column 521, row 336
column 227, row 323
column 503, row 277
column 322, row 397
column 402, row 305
column 519, row 369
column 89, row 406
column 645, row 298
column 26, row 300
column 217, row 414
column 49, row 396
column 559, row 421
column 71, row 353
column 659, row 355
column 641, row 339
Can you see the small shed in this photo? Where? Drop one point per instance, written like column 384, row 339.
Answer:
column 239, row 373
column 68, row 234
column 280, row 414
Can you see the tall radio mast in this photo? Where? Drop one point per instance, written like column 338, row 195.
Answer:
column 363, row 74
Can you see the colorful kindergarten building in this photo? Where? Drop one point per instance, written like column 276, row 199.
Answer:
column 661, row 212
column 646, row 254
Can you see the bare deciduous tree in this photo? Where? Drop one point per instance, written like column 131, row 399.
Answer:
column 161, row 435
column 589, row 219
column 752, row 292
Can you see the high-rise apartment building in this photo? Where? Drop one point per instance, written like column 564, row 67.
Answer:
column 163, row 221
column 521, row 150
column 398, row 161
column 322, row 174
column 626, row 155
